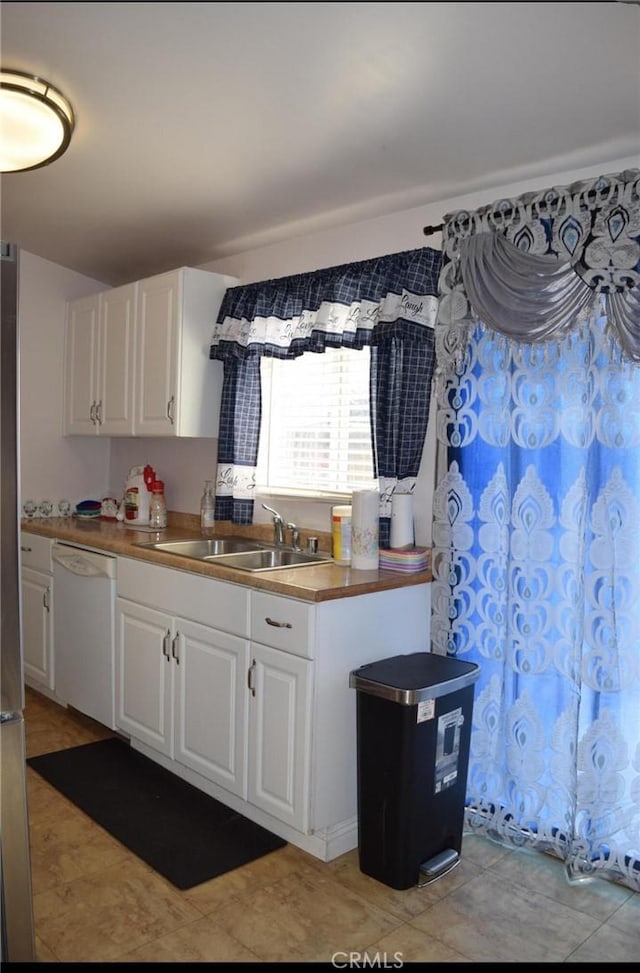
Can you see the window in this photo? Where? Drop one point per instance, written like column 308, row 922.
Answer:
column 316, row 435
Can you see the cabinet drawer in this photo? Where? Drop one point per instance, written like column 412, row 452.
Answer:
column 282, row 623
column 205, row 600
column 35, row 551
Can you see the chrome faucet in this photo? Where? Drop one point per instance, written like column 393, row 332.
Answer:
column 278, row 526
column 295, row 537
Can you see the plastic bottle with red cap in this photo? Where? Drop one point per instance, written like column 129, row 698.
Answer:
column 157, row 505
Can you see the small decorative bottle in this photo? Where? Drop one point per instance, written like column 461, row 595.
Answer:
column 207, row 511
column 157, row 505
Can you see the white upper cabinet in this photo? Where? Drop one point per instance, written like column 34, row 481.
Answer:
column 137, row 358
column 82, row 345
column 99, row 363
column 178, row 386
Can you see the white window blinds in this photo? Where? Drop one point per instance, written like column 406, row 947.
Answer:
column 316, row 436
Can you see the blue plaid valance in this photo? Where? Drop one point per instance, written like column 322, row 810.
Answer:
column 389, row 303
column 351, row 305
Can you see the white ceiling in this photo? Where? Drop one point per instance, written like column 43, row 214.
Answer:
column 205, row 129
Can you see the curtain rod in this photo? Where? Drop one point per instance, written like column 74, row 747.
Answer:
column 585, row 207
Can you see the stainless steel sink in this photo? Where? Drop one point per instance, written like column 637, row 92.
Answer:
column 202, row 548
column 241, row 553
column 267, row 559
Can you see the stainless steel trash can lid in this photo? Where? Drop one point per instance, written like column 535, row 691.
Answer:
column 410, row 679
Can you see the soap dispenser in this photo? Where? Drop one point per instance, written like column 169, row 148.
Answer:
column 207, row 510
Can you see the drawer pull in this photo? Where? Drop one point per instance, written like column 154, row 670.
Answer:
column 275, row 624
column 27, row 550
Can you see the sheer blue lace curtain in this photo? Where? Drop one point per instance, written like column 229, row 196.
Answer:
column 388, row 303
column 536, row 531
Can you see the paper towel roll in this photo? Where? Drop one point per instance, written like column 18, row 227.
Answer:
column 402, row 520
column 365, row 512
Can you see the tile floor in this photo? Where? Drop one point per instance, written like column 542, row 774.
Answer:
column 96, row 902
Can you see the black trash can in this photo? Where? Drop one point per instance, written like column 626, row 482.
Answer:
column 413, row 730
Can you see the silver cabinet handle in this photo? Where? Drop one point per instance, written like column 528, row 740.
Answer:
column 170, row 415
column 250, row 673
column 165, row 646
column 27, row 550
column 275, row 624
column 45, row 599
column 174, row 653
column 99, row 413
column 92, row 413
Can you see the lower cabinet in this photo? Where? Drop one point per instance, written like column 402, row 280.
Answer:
column 37, row 611
column 279, row 724
column 243, row 692
column 181, row 690
column 246, row 694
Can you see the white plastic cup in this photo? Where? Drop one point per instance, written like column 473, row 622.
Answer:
column 402, row 529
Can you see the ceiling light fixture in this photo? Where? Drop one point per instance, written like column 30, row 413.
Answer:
column 36, row 122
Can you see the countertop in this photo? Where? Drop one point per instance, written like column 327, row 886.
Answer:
column 314, row 583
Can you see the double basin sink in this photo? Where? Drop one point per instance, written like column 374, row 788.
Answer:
column 240, row 553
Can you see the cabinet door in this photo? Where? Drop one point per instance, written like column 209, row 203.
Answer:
column 37, row 628
column 279, row 720
column 211, row 709
column 144, row 675
column 157, row 355
column 116, row 361
column 81, row 366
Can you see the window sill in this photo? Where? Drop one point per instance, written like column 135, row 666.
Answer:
column 303, row 495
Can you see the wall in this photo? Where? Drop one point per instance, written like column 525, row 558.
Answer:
column 182, row 464
column 52, row 467
column 82, row 467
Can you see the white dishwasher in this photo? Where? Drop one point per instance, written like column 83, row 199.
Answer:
column 84, row 584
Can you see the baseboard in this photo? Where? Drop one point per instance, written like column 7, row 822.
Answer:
column 325, row 845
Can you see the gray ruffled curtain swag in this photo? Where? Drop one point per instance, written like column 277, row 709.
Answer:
column 535, row 267
column 388, row 303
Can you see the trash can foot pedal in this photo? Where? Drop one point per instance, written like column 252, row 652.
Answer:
column 438, row 866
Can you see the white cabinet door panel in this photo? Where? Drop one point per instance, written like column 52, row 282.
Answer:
column 82, row 339
column 158, row 352
column 117, row 322
column 210, row 714
column 144, row 675
column 37, row 627
column 279, row 734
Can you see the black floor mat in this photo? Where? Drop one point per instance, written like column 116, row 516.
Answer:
column 175, row 828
